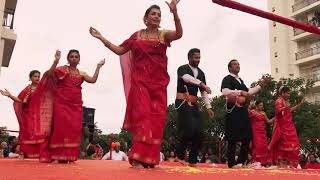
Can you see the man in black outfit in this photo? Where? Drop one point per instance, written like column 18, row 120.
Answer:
column 190, row 79
column 237, row 122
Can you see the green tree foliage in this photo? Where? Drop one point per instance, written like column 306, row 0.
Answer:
column 3, row 135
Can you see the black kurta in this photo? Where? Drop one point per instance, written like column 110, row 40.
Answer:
column 189, row 122
column 237, row 123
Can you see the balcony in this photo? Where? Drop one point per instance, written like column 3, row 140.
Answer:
column 8, row 36
column 300, row 34
column 307, row 53
column 297, row 31
column 8, row 18
column 301, row 4
column 312, row 73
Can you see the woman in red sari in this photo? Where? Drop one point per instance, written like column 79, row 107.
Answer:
column 31, row 107
column 259, row 142
column 144, row 69
column 67, row 108
column 284, row 144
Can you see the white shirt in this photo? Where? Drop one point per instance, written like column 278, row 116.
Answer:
column 118, row 156
column 193, row 80
column 227, row 91
column 161, row 157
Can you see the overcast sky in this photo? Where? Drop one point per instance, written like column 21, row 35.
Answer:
column 42, row 26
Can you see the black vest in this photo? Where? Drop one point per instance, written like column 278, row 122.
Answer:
column 232, row 83
column 192, row 89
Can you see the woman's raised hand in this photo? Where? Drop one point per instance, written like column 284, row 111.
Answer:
column 173, row 5
column 102, row 62
column 95, row 33
column 5, row 92
column 57, row 56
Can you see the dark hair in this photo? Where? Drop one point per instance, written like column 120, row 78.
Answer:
column 14, row 148
column 258, row 102
column 284, row 89
column 11, row 138
column 33, row 72
column 149, row 9
column 192, row 51
column 230, row 62
column 73, row 51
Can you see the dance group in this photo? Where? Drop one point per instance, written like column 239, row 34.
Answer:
column 49, row 110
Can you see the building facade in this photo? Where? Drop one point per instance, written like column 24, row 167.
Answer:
column 295, row 53
column 7, row 34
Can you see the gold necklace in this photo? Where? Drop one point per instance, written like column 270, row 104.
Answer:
column 158, row 43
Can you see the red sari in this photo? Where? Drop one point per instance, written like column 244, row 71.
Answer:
column 34, row 115
column 67, row 115
column 145, row 78
column 259, row 141
column 284, row 143
column 312, row 166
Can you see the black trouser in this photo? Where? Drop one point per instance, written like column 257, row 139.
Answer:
column 195, row 146
column 189, row 132
column 243, row 154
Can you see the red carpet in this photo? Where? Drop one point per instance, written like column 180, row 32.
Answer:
column 95, row 170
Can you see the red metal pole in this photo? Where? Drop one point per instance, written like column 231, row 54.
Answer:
column 267, row 15
column 219, row 152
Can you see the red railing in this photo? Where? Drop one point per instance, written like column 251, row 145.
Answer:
column 5, row 130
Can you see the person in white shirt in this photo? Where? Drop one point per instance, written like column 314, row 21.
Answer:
column 237, row 123
column 115, row 154
column 191, row 80
column 161, row 157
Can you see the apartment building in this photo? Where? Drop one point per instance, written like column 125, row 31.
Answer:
column 294, row 52
column 7, row 34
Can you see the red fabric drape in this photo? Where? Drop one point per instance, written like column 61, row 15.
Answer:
column 312, row 166
column 67, row 115
column 259, row 141
column 34, row 115
column 267, row 15
column 145, row 79
column 284, row 143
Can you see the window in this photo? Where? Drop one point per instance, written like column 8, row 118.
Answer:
column 275, row 54
column 277, row 70
column 316, row 74
column 273, row 9
column 275, row 39
column 274, row 24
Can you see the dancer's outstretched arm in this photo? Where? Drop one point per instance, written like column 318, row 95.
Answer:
column 5, row 92
column 57, row 57
column 119, row 50
column 94, row 78
column 177, row 34
column 270, row 121
column 298, row 105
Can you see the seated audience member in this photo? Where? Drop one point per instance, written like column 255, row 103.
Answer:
column 116, row 154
